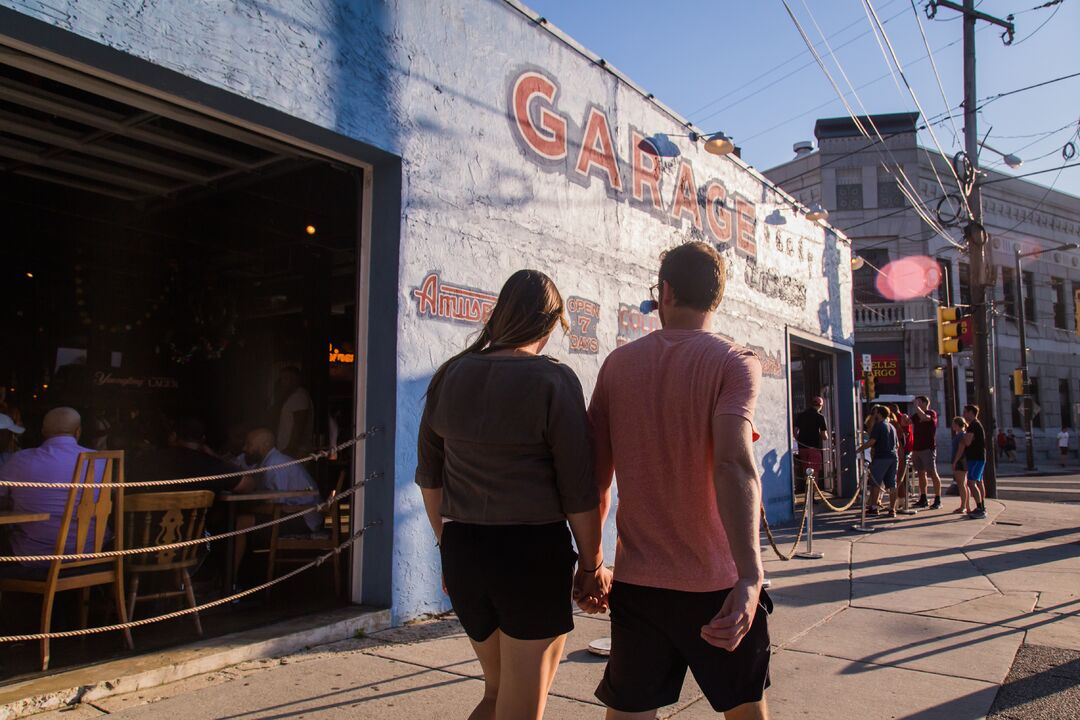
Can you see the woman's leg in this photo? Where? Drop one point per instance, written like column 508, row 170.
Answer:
column 527, row 669
column 488, row 654
column 960, row 478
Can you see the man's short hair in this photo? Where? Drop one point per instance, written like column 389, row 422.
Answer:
column 923, row 398
column 696, row 273
column 973, row 409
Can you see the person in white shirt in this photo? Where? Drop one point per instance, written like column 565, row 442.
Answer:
column 296, row 420
column 1063, row 446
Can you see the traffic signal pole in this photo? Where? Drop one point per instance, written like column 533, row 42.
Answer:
column 1021, row 321
column 978, row 247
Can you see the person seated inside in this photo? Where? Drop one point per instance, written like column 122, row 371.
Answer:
column 9, row 430
column 185, row 455
column 262, row 455
column 52, row 462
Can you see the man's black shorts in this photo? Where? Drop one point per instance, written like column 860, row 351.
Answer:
column 514, row 578
column 656, row 635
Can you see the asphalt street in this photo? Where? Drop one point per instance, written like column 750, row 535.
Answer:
column 1051, row 488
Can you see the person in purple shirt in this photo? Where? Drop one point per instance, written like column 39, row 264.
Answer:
column 52, row 462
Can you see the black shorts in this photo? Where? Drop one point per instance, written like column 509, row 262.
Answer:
column 513, row 578
column 656, row 635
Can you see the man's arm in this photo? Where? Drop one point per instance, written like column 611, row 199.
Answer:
column 603, row 461
column 738, row 499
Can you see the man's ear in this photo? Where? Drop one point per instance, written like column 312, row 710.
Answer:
column 667, row 294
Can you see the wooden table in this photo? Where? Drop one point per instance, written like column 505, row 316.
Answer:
column 234, row 499
column 10, row 517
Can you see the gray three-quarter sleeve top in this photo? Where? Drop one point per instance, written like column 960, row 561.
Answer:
column 507, row 439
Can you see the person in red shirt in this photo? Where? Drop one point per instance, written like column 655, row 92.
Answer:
column 902, row 423
column 924, row 422
column 673, row 418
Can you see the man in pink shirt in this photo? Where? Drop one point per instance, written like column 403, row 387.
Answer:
column 672, row 415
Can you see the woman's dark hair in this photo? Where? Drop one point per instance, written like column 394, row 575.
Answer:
column 528, row 309
column 883, row 411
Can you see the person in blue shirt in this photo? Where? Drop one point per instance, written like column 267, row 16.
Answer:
column 883, row 458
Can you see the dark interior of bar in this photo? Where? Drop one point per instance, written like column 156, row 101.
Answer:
column 179, row 300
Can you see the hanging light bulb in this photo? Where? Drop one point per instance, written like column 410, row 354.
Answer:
column 817, row 212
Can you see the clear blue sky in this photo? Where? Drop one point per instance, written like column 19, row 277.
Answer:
column 695, row 55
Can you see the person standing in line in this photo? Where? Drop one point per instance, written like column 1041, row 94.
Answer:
column 294, row 425
column 811, row 432
column 924, row 423
column 959, row 468
column 973, row 451
column 1063, row 446
column 884, row 448
column 504, row 462
column 902, row 424
column 673, row 417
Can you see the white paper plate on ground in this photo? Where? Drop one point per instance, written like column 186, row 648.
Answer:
column 601, row 647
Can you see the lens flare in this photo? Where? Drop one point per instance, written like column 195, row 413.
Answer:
column 909, row 278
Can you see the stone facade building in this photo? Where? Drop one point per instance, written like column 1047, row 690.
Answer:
column 846, row 173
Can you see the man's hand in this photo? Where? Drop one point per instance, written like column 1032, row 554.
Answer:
column 591, row 589
column 731, row 624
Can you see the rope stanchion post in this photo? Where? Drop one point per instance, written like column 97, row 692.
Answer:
column 811, row 487
column 907, row 471
column 862, row 526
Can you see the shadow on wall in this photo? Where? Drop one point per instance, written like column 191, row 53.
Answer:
column 776, row 486
column 831, row 310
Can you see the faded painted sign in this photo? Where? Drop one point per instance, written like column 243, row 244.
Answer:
column 457, row 303
column 584, row 317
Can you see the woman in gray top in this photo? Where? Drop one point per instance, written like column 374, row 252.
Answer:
column 504, row 462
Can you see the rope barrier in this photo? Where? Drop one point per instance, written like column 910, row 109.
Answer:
column 834, row 508
column 319, row 455
column 798, row 536
column 325, row 504
column 198, row 608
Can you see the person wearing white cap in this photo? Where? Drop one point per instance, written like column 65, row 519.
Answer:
column 8, row 430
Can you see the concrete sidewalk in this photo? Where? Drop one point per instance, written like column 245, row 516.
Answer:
column 921, row 619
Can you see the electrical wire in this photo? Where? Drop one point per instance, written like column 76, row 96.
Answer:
column 1036, row 172
column 992, row 98
column 1036, row 30
column 783, row 64
column 908, row 190
column 876, row 21
column 1043, row 134
column 933, row 65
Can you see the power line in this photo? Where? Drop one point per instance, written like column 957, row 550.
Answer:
column 1037, row 172
column 763, row 88
column 780, row 65
column 933, row 65
column 987, row 100
column 1044, row 23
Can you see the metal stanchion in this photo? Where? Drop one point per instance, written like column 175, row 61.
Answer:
column 906, row 510
column 862, row 526
column 809, row 553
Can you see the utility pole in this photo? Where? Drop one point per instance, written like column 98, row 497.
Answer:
column 981, row 266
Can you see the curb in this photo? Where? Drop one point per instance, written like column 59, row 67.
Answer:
column 205, row 656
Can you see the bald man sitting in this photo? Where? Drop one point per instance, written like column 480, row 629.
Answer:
column 52, row 462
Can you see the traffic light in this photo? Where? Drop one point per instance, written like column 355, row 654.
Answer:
column 1019, row 381
column 948, row 330
column 871, row 391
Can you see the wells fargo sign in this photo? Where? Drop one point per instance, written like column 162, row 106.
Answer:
column 633, row 173
column 886, row 369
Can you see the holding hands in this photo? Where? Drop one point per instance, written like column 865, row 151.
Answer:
column 591, row 588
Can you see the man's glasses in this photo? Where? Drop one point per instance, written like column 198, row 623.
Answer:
column 648, row 306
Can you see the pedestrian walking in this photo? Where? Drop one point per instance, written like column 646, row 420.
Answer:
column 673, row 417
column 959, row 467
column 883, row 463
column 811, row 432
column 973, row 451
column 1063, row 446
column 1010, row 446
column 504, row 461
column 924, row 422
column 1002, row 443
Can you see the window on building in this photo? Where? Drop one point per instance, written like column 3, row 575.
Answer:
column 1033, row 388
column 964, row 285
column 1061, row 315
column 888, row 191
column 1065, row 398
column 1008, row 291
column 865, row 278
column 1029, row 295
column 849, row 194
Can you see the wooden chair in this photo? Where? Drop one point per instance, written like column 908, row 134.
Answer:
column 160, row 519
column 85, row 509
column 310, row 544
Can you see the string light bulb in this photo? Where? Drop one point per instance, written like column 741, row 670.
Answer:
column 310, row 229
